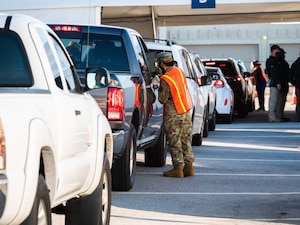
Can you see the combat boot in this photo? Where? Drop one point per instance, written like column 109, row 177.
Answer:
column 188, row 170
column 175, row 172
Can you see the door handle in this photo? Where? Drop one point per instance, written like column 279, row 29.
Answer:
column 77, row 112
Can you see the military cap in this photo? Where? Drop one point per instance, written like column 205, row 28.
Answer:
column 164, row 57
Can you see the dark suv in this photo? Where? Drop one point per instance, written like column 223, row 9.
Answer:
column 236, row 81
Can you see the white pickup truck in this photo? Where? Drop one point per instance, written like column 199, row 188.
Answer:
column 56, row 145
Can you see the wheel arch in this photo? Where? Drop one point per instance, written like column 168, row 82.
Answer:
column 38, row 153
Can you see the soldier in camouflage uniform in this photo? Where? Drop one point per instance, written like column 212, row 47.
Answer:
column 173, row 93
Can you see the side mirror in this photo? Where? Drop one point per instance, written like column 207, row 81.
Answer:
column 97, row 78
column 205, row 80
column 247, row 74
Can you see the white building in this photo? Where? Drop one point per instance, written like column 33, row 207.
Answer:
column 239, row 29
column 247, row 42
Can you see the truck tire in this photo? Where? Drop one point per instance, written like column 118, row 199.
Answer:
column 40, row 212
column 123, row 169
column 205, row 129
column 105, row 195
column 156, row 156
column 95, row 208
column 197, row 139
column 250, row 104
column 212, row 122
column 228, row 119
column 243, row 110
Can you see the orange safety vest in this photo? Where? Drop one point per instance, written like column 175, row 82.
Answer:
column 176, row 80
column 137, row 95
column 262, row 73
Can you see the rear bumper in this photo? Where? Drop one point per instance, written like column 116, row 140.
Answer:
column 119, row 143
column 3, row 192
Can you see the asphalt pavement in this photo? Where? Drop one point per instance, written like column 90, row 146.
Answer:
column 247, row 172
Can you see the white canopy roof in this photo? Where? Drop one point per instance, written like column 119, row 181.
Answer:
column 162, row 13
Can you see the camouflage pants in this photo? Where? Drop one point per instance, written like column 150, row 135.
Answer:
column 178, row 133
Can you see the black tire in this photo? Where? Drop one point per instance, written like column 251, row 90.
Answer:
column 250, row 105
column 123, row 169
column 228, row 118
column 197, row 139
column 212, row 122
column 105, row 195
column 205, row 129
column 156, row 156
column 95, row 208
column 243, row 110
column 40, row 212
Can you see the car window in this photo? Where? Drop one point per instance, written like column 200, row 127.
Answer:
column 140, row 53
column 199, row 66
column 96, row 50
column 151, row 54
column 66, row 72
column 187, row 63
column 14, row 66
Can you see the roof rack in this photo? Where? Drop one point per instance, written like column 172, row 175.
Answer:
column 168, row 42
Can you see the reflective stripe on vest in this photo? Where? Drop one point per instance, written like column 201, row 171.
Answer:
column 179, row 91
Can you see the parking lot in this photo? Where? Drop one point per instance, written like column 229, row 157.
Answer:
column 247, row 172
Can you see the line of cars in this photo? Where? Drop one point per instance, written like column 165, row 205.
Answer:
column 130, row 99
column 134, row 77
column 116, row 67
column 223, row 84
column 239, row 80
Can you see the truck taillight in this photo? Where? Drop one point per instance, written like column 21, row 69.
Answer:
column 115, row 108
column 2, row 148
column 238, row 78
column 219, row 83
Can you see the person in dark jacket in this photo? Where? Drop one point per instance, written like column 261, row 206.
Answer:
column 294, row 79
column 272, row 66
column 283, row 69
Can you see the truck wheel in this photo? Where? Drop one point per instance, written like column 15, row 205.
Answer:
column 105, row 195
column 197, row 139
column 243, row 110
column 95, row 208
column 250, row 104
column 40, row 212
column 205, row 129
column 156, row 156
column 228, row 118
column 212, row 122
column 123, row 169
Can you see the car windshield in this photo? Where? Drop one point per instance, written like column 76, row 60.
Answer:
column 96, row 50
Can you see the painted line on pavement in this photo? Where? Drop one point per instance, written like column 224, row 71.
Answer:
column 206, row 193
column 229, row 174
column 260, row 147
column 250, row 160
